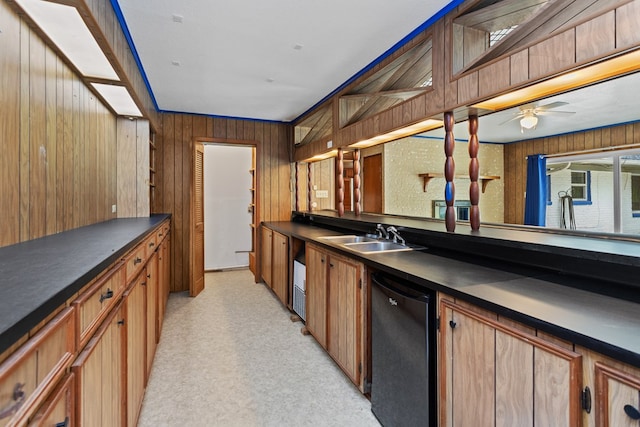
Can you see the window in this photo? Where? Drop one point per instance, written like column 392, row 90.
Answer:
column 605, row 191
column 635, row 194
column 581, row 187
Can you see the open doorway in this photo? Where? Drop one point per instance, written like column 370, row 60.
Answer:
column 228, row 206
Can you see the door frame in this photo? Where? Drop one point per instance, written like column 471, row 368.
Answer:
column 257, row 201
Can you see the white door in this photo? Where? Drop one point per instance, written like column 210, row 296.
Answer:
column 227, row 196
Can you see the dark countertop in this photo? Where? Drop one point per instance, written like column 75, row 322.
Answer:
column 546, row 300
column 39, row 275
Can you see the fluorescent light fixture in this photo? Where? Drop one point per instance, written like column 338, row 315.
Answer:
column 119, row 99
column 68, row 31
column 419, row 127
column 323, row 156
column 615, row 67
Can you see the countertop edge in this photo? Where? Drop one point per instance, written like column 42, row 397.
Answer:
column 22, row 327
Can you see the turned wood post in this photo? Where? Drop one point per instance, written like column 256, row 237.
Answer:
column 474, row 168
column 297, row 186
column 449, row 172
column 340, row 182
column 357, row 206
column 309, row 206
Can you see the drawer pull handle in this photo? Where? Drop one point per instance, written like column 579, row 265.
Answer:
column 151, row 244
column 160, row 234
column 18, row 400
column 65, row 423
column 632, row 412
column 121, row 322
column 106, row 295
column 137, row 261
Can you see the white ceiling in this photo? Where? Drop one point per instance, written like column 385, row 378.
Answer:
column 269, row 60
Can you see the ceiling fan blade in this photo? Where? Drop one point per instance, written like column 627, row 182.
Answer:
column 550, row 106
column 516, row 117
column 546, row 113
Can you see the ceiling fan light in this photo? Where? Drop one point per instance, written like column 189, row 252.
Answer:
column 529, row 121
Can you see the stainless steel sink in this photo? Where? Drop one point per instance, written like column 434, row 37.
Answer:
column 348, row 239
column 376, row 246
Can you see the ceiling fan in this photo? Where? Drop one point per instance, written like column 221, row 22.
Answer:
column 528, row 114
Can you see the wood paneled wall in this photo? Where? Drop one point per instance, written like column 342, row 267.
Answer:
column 57, row 141
column 175, row 146
column 515, row 164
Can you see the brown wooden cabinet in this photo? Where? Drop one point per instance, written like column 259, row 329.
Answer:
column 280, row 267
column 152, row 296
column 58, row 409
column 316, row 288
column 492, row 373
column 267, row 247
column 334, row 308
column 617, row 397
column 275, row 263
column 100, row 373
column 136, row 322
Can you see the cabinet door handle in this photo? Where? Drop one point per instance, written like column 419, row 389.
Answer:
column 65, row 423
column 106, row 295
column 331, row 264
column 151, row 244
column 18, row 399
column 452, row 324
column 632, row 412
column 121, row 322
column 137, row 261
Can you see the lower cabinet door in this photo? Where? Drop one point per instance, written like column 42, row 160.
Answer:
column 58, row 409
column 494, row 374
column 136, row 340
column 617, row 397
column 100, row 375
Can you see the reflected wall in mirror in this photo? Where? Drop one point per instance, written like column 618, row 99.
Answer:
column 596, row 118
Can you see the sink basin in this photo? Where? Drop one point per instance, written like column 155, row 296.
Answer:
column 348, row 239
column 377, row 246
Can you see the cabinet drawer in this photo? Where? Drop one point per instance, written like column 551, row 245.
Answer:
column 135, row 261
column 29, row 375
column 151, row 243
column 94, row 304
column 162, row 232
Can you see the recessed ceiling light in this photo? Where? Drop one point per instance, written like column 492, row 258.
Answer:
column 271, row 80
column 68, row 31
column 298, row 46
column 177, row 18
column 176, row 63
column 119, row 99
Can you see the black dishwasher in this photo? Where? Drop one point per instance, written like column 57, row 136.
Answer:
column 403, row 382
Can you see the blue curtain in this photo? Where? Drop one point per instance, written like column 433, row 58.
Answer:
column 535, row 206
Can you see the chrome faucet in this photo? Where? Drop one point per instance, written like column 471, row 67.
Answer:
column 396, row 236
column 381, row 232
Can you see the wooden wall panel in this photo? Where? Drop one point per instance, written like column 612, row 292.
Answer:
column 515, row 171
column 58, row 146
column 10, row 93
column 551, row 55
column 595, row 37
column 175, row 142
column 627, row 24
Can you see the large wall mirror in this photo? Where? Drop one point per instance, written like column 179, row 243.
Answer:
column 570, row 128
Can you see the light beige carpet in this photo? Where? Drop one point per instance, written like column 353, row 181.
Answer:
column 232, row 357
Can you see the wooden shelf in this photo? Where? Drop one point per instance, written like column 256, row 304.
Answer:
column 484, row 179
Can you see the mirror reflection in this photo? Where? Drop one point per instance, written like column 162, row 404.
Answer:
column 571, row 130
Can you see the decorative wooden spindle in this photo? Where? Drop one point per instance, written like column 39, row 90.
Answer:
column 449, row 172
column 474, row 168
column 309, row 205
column 297, row 186
column 340, row 182
column 357, row 205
